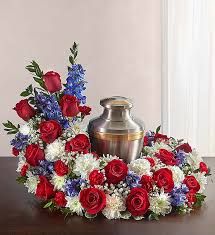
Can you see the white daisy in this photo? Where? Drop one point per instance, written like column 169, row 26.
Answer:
column 55, row 150
column 140, row 166
column 74, row 205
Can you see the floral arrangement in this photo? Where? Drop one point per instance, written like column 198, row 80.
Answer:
column 57, row 166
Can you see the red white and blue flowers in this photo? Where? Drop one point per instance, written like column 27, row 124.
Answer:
column 57, row 166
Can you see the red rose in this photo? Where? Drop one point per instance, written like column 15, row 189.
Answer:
column 50, row 131
column 24, row 170
column 116, row 171
column 96, row 178
column 34, row 154
column 163, row 179
column 146, row 182
column 24, row 110
column 146, row 140
column 69, row 106
column 61, row 168
column 192, row 183
column 15, row 151
column 151, row 161
column 191, row 198
column 52, row 81
column 85, row 110
column 166, row 157
column 160, row 136
column 59, row 199
column 80, row 143
column 137, row 201
column 203, row 167
column 92, row 200
column 184, row 147
column 45, row 189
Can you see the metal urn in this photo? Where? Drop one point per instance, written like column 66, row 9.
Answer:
column 116, row 132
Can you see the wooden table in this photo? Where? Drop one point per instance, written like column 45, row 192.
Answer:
column 20, row 213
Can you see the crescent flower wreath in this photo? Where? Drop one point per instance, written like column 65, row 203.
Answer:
column 56, row 163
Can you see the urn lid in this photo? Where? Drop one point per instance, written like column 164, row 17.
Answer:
column 116, row 118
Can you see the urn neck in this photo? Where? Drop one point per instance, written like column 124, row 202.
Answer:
column 116, row 115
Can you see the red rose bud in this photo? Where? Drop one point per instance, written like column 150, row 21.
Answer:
column 166, row 157
column 184, row 147
column 15, row 151
column 192, row 183
column 59, row 199
column 24, row 170
column 34, row 154
column 45, row 189
column 116, row 171
column 137, row 201
column 191, row 198
column 69, row 106
column 96, row 178
column 163, row 179
column 151, row 161
column 52, row 81
column 93, row 200
column 50, row 131
column 61, row 168
column 203, row 167
column 160, row 136
column 85, row 110
column 80, row 143
column 146, row 140
column 24, row 110
column 146, row 183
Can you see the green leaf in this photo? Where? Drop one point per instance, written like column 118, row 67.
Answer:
column 199, row 199
column 39, row 81
column 158, row 129
column 25, row 93
column 21, row 179
column 71, row 59
column 153, row 216
column 10, row 127
column 48, row 204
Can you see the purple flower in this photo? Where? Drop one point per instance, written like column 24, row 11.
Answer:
column 73, row 186
column 178, row 195
column 180, row 158
column 20, row 141
column 132, row 180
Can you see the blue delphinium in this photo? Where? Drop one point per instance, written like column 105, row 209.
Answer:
column 178, row 195
column 180, row 158
column 132, row 180
column 20, row 141
column 75, row 82
column 50, row 108
column 45, row 168
column 73, row 186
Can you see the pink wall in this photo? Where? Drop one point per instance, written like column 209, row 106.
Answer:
column 120, row 46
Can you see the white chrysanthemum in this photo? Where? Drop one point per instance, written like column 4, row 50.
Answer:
column 194, row 159
column 178, row 175
column 202, row 179
column 25, row 129
column 151, row 150
column 114, row 205
column 55, row 150
column 84, row 164
column 74, row 205
column 21, row 163
column 31, row 182
column 107, row 158
column 140, row 166
column 58, row 182
column 160, row 204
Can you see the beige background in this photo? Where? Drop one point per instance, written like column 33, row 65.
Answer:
column 119, row 47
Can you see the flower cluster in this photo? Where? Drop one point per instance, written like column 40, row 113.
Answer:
column 57, row 166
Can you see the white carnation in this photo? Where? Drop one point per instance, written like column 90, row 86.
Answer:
column 202, row 179
column 140, row 166
column 194, row 159
column 74, row 205
column 84, row 164
column 58, row 182
column 25, row 129
column 178, row 175
column 55, row 150
column 114, row 205
column 21, row 163
column 160, row 204
column 31, row 182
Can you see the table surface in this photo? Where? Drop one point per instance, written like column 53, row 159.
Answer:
column 21, row 213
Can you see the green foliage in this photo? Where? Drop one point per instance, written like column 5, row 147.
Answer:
column 74, row 51
column 153, row 216
column 28, row 91
column 10, row 127
column 199, row 199
column 48, row 204
column 66, row 212
column 21, row 179
column 158, row 129
column 34, row 68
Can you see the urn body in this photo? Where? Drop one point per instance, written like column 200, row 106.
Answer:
column 116, row 132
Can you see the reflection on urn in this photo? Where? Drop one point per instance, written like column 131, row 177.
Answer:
column 116, row 132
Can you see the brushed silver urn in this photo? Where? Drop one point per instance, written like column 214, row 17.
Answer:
column 116, row 132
